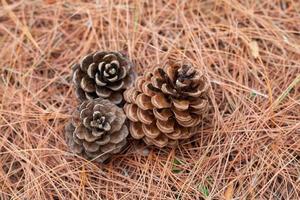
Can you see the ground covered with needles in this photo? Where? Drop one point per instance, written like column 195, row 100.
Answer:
column 250, row 51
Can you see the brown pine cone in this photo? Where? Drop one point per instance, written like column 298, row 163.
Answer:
column 167, row 104
column 103, row 74
column 97, row 130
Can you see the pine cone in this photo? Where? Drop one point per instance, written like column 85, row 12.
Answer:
column 103, row 74
column 167, row 104
column 97, row 130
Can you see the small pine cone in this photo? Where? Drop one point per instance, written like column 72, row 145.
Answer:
column 167, row 104
column 105, row 75
column 97, row 130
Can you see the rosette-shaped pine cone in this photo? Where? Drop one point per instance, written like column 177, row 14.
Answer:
column 103, row 74
column 167, row 104
column 97, row 130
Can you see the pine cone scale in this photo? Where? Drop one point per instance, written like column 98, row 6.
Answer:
column 160, row 141
column 175, row 135
column 98, row 56
column 162, row 114
column 160, row 101
column 105, row 139
column 146, row 117
column 98, row 80
column 86, row 61
column 181, row 104
column 131, row 111
column 115, row 86
column 116, row 138
column 150, row 131
column 166, row 126
column 92, row 70
column 103, row 92
column 136, row 130
column 144, row 102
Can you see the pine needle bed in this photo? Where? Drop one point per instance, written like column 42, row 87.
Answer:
column 249, row 49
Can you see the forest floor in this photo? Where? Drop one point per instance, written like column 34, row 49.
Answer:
column 250, row 51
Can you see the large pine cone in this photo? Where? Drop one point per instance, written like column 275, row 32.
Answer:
column 167, row 104
column 97, row 130
column 103, row 74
